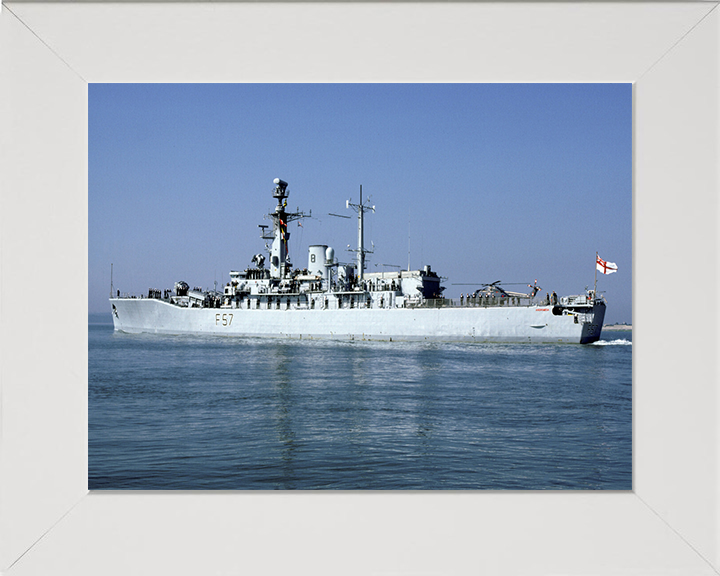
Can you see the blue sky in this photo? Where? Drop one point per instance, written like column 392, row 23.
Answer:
column 484, row 182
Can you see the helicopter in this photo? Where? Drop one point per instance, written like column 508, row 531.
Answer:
column 494, row 289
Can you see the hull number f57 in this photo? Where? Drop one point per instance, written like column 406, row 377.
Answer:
column 223, row 319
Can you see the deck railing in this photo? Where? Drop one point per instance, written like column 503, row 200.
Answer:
column 475, row 302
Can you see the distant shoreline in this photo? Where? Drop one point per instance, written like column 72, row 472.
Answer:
column 625, row 327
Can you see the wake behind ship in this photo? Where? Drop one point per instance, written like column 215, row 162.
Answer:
column 329, row 299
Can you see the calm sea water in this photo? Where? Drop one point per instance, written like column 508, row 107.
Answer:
column 218, row 413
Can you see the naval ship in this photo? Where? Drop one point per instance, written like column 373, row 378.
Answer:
column 329, row 299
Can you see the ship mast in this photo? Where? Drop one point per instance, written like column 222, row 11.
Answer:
column 280, row 237
column 360, row 209
column 595, row 287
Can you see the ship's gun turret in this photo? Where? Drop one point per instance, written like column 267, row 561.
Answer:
column 181, row 288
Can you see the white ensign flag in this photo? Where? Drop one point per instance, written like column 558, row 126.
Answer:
column 606, row 267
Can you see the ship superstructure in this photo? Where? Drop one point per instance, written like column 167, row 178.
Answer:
column 330, row 299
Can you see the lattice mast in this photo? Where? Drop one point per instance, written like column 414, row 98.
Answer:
column 360, row 208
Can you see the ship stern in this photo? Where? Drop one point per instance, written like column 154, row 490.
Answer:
column 592, row 329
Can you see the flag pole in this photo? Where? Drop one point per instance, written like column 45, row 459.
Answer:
column 595, row 289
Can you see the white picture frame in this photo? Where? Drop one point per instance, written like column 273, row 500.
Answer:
column 49, row 523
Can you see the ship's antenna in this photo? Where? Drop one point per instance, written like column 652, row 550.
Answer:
column 111, row 280
column 361, row 239
column 408, row 239
column 361, row 209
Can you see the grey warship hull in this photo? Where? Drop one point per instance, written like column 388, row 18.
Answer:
column 329, row 299
column 505, row 323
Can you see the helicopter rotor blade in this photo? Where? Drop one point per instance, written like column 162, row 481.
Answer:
column 490, row 284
